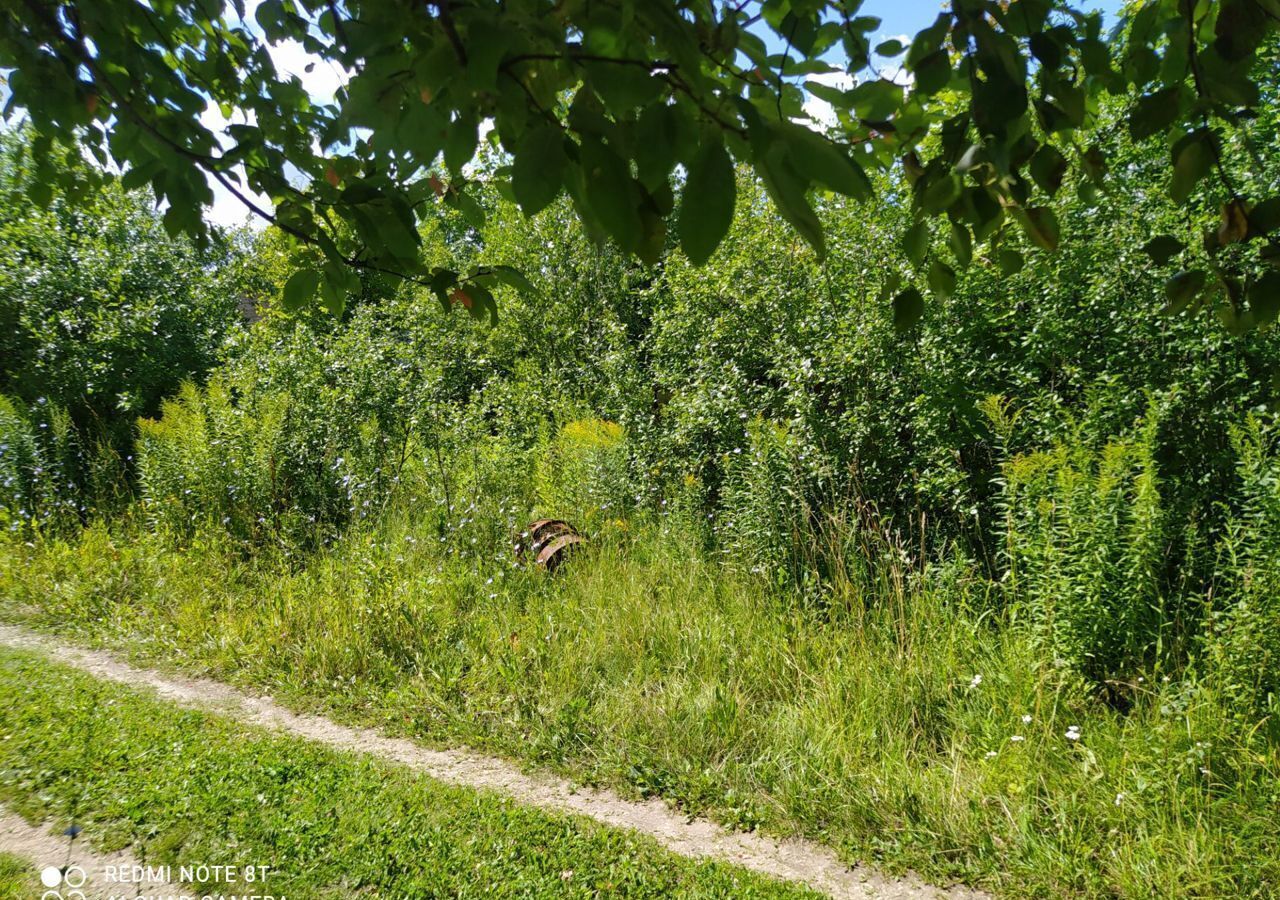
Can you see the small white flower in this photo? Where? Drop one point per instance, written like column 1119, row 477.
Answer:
column 1017, row 738
column 991, row 754
column 1026, row 720
column 1073, row 732
column 977, row 680
column 1119, row 798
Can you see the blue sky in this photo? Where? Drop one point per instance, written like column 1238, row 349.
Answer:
column 909, row 16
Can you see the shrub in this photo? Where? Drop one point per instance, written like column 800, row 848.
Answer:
column 764, row 509
column 1243, row 640
column 209, row 459
column 42, row 457
column 582, row 473
column 1087, row 542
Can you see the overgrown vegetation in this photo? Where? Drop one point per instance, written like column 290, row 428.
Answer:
column 177, row 786
column 995, row 599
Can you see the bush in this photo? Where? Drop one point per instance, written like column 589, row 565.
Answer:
column 582, row 473
column 765, row 514
column 1243, row 640
column 1087, row 543
column 210, row 460
column 42, row 459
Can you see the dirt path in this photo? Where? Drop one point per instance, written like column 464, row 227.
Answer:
column 790, row 859
column 79, row 871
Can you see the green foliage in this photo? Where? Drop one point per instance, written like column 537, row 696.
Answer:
column 101, row 312
column 159, row 773
column 1087, row 540
column 210, row 459
column 649, row 666
column 582, row 474
column 42, row 462
column 601, row 105
column 1243, row 640
column 765, row 518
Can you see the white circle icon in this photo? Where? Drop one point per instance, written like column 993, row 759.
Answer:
column 74, row 877
column 51, row 876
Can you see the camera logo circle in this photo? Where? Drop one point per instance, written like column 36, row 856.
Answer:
column 73, row 877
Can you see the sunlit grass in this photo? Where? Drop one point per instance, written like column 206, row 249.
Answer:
column 911, row 725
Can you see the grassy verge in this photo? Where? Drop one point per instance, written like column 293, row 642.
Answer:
column 897, row 722
column 18, row 879
column 187, row 788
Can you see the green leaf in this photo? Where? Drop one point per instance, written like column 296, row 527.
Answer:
column 537, row 171
column 1011, row 262
column 1040, row 225
column 1264, row 218
column 1154, row 113
column 610, row 193
column 706, row 207
column 942, row 191
column 786, row 188
column 513, row 277
column 1163, row 248
column 656, row 150
column 460, row 144
column 961, row 244
column 908, row 308
column 932, row 73
column 1181, row 289
column 825, row 162
column 915, row 243
column 1193, row 158
column 300, row 289
column 890, row 48
column 1048, row 167
column 1264, row 298
column 482, row 302
column 942, row 279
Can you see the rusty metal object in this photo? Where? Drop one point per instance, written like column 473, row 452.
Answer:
column 548, row 542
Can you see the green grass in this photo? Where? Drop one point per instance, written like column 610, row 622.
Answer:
column 183, row 787
column 18, row 879
column 650, row 668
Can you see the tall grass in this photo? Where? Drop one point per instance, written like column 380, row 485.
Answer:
column 908, row 721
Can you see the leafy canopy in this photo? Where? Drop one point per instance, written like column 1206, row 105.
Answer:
column 619, row 104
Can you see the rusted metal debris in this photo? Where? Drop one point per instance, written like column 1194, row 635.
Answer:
column 548, row 542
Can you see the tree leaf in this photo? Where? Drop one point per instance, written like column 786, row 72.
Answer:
column 786, row 188
column 1163, row 248
column 961, row 244
column 1048, row 167
column 1264, row 297
column 1011, row 262
column 1193, row 158
column 824, row 162
column 1040, row 225
column 915, row 243
column 513, row 277
column 460, row 144
column 942, row 279
column 537, row 172
column 610, row 193
column 1181, row 289
column 1264, row 218
column 1154, row 113
column 932, row 73
column 300, row 290
column 706, row 207
column 908, row 308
